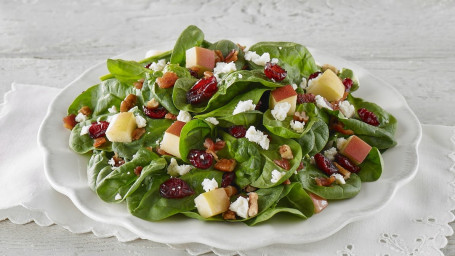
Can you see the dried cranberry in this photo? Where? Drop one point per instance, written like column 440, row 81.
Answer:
column 98, row 129
column 193, row 73
column 305, row 98
column 346, row 163
column 228, row 179
column 347, row 82
column 274, row 71
column 175, row 188
column 368, row 117
column 324, row 164
column 156, row 113
column 237, row 131
column 314, row 75
column 200, row 158
column 202, row 90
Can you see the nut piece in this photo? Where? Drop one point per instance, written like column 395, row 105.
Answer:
column 139, row 84
column 283, row 163
column 170, row 116
column 208, row 74
column 152, row 104
column 250, row 188
column 230, row 190
column 85, row 110
column 253, row 202
column 328, row 66
column 226, row 165
column 128, row 103
column 138, row 170
column 219, row 56
column 346, row 174
column 229, row 215
column 232, row 56
column 137, row 133
column 301, row 116
column 99, row 142
column 287, row 182
column 286, row 152
column 167, row 80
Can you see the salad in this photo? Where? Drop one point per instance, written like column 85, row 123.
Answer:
column 219, row 132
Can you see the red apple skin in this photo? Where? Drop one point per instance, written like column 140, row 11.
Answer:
column 282, row 93
column 318, row 202
column 176, row 128
column 356, row 149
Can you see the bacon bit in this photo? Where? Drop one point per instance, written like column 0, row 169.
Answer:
column 152, row 104
column 167, row 80
column 128, row 103
column 138, row 170
column 208, row 74
column 219, row 56
column 253, row 204
column 85, row 110
column 212, row 147
column 225, row 165
column 232, row 56
column 170, row 116
column 69, row 121
column 301, row 166
column 321, row 181
column 283, row 163
column 118, row 161
column 229, row 215
column 99, row 142
column 339, row 128
column 328, row 66
column 219, row 145
column 139, row 84
column 250, row 188
column 336, row 104
column 342, row 170
column 137, row 133
column 300, row 116
column 230, row 190
column 286, row 152
column 287, row 182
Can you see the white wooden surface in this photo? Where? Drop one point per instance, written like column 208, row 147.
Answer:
column 410, row 44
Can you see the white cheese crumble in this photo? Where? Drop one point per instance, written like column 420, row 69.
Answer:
column 223, row 68
column 174, row 169
column 256, row 59
column 81, row 118
column 347, row 109
column 158, row 66
column 303, row 84
column 321, row 102
column 276, row 176
column 244, row 106
column 240, row 76
column 341, row 142
column 84, row 129
column 258, row 137
column 330, row 153
column 240, row 207
column 294, row 86
column 209, row 185
column 140, row 121
column 111, row 162
column 118, row 197
column 297, row 126
column 184, row 116
column 274, row 61
column 280, row 111
column 339, row 178
column 212, row 120
column 112, row 109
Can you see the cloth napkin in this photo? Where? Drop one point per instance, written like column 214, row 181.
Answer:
column 415, row 222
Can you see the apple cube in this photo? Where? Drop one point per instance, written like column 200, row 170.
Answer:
column 200, row 59
column 318, row 202
column 328, row 85
column 171, row 139
column 213, row 202
column 355, row 149
column 284, row 94
column 121, row 127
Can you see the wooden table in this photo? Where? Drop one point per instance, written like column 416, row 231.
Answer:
column 410, row 44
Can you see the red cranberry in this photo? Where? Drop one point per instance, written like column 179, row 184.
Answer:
column 156, row 113
column 305, row 98
column 346, row 163
column 238, row 131
column 314, row 75
column 228, row 179
column 200, row 158
column 193, row 73
column 347, row 82
column 324, row 164
column 274, row 71
column 98, row 129
column 175, row 188
column 368, row 117
column 202, row 90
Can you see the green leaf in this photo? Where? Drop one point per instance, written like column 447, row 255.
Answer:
column 190, row 37
column 371, row 167
column 126, row 71
column 226, row 46
column 192, row 136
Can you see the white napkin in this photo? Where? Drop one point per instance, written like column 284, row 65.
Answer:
column 416, row 221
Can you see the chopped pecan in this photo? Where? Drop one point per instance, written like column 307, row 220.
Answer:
column 138, row 84
column 250, row 188
column 128, row 103
column 167, row 80
column 118, row 161
column 283, row 163
column 99, row 142
column 225, row 165
column 286, row 152
column 242, row 47
column 287, row 182
column 328, row 66
column 85, row 110
column 137, row 133
column 322, row 181
column 232, row 56
column 69, row 121
column 219, row 56
column 230, row 190
column 301, row 166
column 253, row 204
column 138, row 170
column 300, row 116
column 339, row 127
column 170, row 116
column 346, row 174
column 229, row 215
column 152, row 104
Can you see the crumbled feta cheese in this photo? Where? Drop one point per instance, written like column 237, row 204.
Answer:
column 244, row 106
column 279, row 47
column 347, row 109
column 258, row 137
column 276, row 176
column 174, row 169
column 256, row 59
column 81, row 118
column 321, row 102
column 223, row 68
column 330, row 153
column 212, row 120
column 341, row 142
column 109, row 118
column 84, row 129
column 184, row 116
column 240, row 207
column 274, row 61
column 240, row 76
column 112, row 109
column 339, row 179
column 297, row 126
column 303, row 84
column 111, row 162
column 294, row 86
column 138, row 92
column 140, row 121
column 280, row 111
column 118, row 197
column 209, row 185
column 158, row 66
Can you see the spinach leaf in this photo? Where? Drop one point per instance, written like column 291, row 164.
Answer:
column 294, row 196
column 269, row 213
column 371, row 167
column 193, row 135
column 127, row 71
column 226, row 46
column 84, row 143
column 98, row 163
column 315, row 139
column 348, row 73
column 249, row 160
column 190, row 37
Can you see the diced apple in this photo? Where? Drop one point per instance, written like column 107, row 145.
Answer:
column 318, row 202
column 355, row 149
column 328, row 85
column 121, row 127
column 212, row 202
column 200, row 59
column 284, row 94
column 171, row 139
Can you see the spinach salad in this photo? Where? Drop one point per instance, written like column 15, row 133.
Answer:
column 219, row 132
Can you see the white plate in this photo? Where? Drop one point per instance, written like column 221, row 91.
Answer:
column 66, row 172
